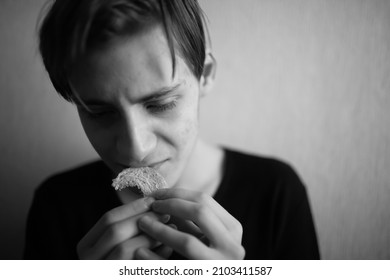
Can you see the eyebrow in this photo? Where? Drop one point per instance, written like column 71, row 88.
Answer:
column 155, row 95
column 160, row 93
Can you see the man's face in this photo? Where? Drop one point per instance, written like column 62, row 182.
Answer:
column 137, row 114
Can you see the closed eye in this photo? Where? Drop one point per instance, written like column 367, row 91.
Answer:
column 97, row 112
column 100, row 114
column 161, row 107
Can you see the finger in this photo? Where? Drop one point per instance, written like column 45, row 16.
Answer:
column 165, row 251
column 201, row 215
column 119, row 232
column 115, row 215
column 186, row 226
column 126, row 250
column 146, row 254
column 231, row 223
column 199, row 197
column 162, row 253
column 183, row 243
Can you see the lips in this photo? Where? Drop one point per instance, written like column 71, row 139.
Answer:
column 155, row 165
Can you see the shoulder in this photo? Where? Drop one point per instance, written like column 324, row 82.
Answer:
column 265, row 175
column 258, row 167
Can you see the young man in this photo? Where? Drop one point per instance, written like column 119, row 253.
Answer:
column 136, row 71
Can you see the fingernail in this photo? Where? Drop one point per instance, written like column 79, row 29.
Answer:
column 149, row 200
column 164, row 218
column 172, row 226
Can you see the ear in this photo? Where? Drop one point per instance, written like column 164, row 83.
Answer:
column 208, row 75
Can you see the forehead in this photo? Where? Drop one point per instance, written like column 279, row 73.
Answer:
column 139, row 63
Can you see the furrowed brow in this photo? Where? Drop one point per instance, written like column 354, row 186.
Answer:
column 149, row 97
column 159, row 93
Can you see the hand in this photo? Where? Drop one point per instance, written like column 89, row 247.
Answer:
column 160, row 253
column 117, row 236
column 206, row 229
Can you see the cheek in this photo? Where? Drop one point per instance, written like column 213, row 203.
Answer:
column 101, row 141
column 188, row 130
column 189, row 120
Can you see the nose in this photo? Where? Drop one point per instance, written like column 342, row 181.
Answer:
column 136, row 139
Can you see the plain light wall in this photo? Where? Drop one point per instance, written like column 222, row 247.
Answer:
column 307, row 81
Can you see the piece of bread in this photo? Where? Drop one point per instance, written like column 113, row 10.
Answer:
column 146, row 179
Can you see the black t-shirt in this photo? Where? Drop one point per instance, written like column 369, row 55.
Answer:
column 264, row 194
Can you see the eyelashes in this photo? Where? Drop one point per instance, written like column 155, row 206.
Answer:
column 99, row 114
column 155, row 107
column 161, row 108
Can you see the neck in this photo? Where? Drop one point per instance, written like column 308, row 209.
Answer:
column 203, row 172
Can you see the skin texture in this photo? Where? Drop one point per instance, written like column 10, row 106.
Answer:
column 135, row 114
column 125, row 130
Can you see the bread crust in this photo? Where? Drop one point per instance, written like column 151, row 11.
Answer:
column 146, row 179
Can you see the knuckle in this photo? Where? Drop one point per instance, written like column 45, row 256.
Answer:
column 107, row 218
column 240, row 252
column 114, row 232
column 200, row 211
column 120, row 252
column 236, row 252
column 238, row 229
column 203, row 198
column 188, row 244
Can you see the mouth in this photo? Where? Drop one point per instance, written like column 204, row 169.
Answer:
column 155, row 165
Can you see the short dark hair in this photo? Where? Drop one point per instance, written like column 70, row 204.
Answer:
column 71, row 28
